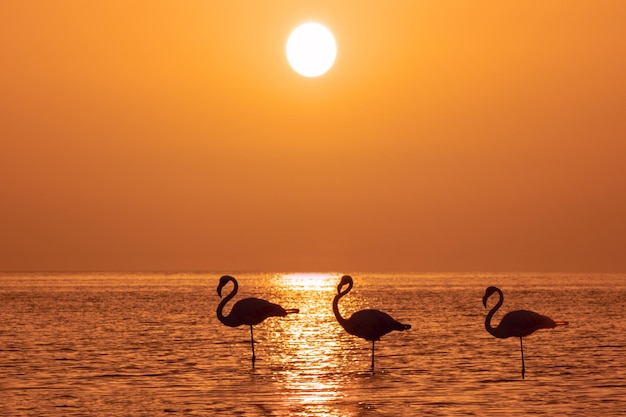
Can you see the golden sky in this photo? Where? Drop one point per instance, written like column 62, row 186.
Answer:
column 449, row 136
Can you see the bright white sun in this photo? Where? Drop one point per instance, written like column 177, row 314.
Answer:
column 311, row 49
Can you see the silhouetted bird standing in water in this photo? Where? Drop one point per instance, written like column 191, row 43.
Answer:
column 249, row 311
column 519, row 323
column 368, row 324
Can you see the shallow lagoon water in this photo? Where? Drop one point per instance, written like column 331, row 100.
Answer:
column 120, row 344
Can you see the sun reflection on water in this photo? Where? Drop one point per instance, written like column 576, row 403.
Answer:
column 310, row 281
column 310, row 342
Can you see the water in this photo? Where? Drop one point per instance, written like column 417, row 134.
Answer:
column 151, row 345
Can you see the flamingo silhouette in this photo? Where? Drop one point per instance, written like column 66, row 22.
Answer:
column 368, row 324
column 248, row 311
column 518, row 323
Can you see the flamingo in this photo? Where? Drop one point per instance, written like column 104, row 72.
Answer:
column 248, row 311
column 518, row 323
column 367, row 324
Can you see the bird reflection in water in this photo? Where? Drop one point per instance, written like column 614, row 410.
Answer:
column 518, row 323
column 248, row 311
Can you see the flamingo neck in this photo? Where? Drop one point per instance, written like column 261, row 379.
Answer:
column 220, row 308
column 338, row 316
column 494, row 331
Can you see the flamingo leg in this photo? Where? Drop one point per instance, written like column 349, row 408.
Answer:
column 252, row 342
column 521, row 347
column 373, row 355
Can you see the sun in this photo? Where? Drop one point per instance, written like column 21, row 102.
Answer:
column 311, row 49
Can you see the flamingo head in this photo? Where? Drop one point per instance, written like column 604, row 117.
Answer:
column 223, row 281
column 488, row 292
column 345, row 280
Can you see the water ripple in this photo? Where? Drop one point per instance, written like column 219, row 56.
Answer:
column 149, row 344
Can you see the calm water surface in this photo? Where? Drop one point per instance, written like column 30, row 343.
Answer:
column 151, row 345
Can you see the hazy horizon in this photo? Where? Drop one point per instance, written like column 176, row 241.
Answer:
column 236, row 272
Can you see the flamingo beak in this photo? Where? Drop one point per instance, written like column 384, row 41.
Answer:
column 485, row 300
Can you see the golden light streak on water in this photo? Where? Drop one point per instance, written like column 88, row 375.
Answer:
column 311, row 281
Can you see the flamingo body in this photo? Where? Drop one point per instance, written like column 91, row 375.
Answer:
column 372, row 324
column 367, row 324
column 518, row 323
column 248, row 311
column 522, row 323
column 252, row 311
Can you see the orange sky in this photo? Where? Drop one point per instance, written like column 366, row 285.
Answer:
column 449, row 136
